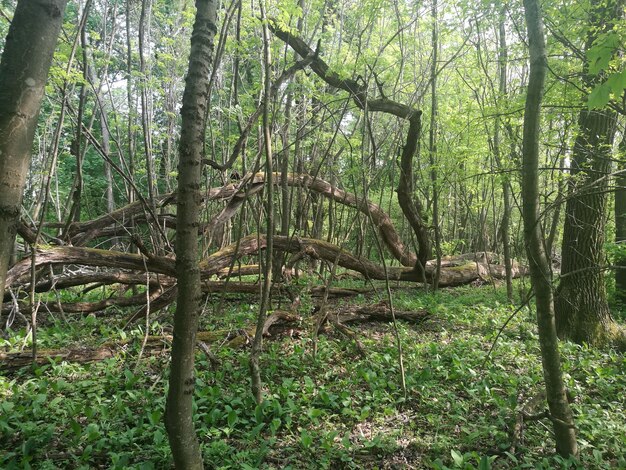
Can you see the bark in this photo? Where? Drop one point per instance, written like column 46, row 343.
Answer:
column 540, row 272
column 432, row 143
column 63, row 255
column 275, row 324
column 620, row 221
column 24, row 66
column 378, row 312
column 179, row 413
column 582, row 310
column 257, row 344
column 506, row 187
column 146, row 104
column 91, row 307
column 455, row 271
column 381, row 220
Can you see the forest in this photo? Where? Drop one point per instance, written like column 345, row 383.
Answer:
column 301, row 234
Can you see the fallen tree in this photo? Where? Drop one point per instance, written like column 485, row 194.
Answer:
column 278, row 322
column 452, row 274
column 153, row 345
column 159, row 275
column 118, row 222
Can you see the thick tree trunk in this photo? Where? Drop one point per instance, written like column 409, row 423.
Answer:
column 582, row 310
column 23, row 72
column 179, row 414
column 540, row 272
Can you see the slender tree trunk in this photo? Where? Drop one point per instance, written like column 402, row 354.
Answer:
column 432, row 140
column 257, row 344
column 540, row 272
column 620, row 221
column 506, row 185
column 24, row 69
column 556, row 215
column 130, row 137
column 77, row 148
column 178, row 416
column 146, row 108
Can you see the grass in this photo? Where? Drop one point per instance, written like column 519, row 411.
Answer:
column 337, row 410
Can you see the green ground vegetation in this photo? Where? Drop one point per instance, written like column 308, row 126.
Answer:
column 335, row 410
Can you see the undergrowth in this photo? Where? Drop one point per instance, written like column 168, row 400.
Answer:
column 335, row 410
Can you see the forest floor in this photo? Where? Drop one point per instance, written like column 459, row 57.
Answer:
column 337, row 409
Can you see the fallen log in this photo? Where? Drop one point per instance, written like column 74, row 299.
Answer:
column 252, row 244
column 274, row 325
column 82, row 232
column 154, row 345
column 94, row 280
column 378, row 312
column 92, row 307
column 382, row 221
column 243, row 270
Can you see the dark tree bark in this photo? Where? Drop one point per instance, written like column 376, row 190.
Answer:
column 540, row 272
column 582, row 310
column 23, row 72
column 178, row 416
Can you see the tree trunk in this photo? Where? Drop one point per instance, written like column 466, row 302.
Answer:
column 411, row 206
column 620, row 222
column 178, row 416
column 432, row 144
column 582, row 310
column 506, row 185
column 257, row 344
column 540, row 272
column 23, row 72
column 146, row 102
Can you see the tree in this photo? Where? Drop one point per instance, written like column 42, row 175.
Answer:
column 582, row 310
column 538, row 262
column 179, row 416
column 620, row 221
column 24, row 70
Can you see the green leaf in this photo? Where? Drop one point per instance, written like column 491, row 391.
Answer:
column 601, row 53
column 617, row 82
column 305, row 439
column 258, row 414
column 232, row 418
column 485, row 463
column 155, row 417
column 599, row 96
column 458, row 458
